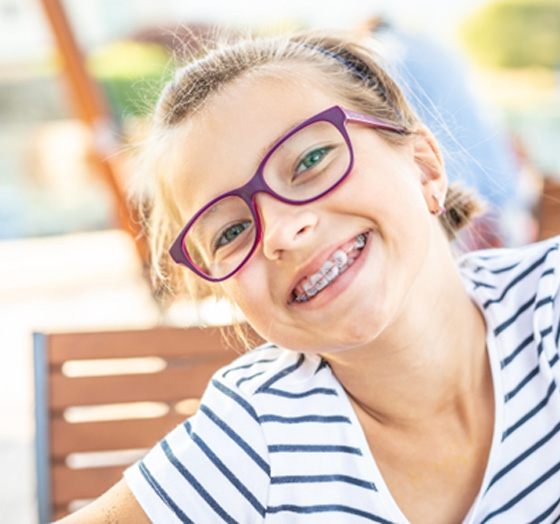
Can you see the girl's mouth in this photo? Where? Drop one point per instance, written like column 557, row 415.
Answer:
column 330, row 271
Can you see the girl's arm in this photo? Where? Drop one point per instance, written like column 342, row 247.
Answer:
column 115, row 505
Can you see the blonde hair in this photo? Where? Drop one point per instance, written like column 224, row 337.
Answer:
column 353, row 73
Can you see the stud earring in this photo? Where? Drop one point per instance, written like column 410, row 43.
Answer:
column 440, row 207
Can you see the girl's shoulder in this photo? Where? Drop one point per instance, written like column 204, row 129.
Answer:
column 496, row 273
column 492, row 259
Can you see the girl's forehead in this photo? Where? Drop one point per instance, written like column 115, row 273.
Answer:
column 221, row 146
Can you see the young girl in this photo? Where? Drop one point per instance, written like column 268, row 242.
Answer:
column 399, row 384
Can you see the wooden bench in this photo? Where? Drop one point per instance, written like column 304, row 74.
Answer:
column 103, row 398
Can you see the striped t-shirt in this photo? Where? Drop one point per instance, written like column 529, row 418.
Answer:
column 276, row 438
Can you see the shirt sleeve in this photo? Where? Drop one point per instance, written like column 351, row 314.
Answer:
column 211, row 468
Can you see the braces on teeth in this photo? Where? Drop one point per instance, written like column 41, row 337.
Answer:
column 330, row 269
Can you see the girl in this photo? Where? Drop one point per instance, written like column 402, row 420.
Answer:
column 399, row 384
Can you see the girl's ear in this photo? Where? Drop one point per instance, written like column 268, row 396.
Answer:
column 429, row 159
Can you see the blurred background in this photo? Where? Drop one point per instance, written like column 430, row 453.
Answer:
column 79, row 77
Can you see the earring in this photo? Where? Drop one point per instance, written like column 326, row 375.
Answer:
column 440, row 207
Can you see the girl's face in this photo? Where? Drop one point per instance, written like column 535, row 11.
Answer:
column 387, row 197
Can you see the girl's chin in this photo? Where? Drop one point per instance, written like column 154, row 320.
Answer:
column 338, row 341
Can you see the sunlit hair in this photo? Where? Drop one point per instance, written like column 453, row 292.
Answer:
column 351, row 71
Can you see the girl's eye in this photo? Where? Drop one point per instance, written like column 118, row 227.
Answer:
column 312, row 158
column 231, row 233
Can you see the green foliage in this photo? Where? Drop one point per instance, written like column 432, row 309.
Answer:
column 131, row 74
column 515, row 33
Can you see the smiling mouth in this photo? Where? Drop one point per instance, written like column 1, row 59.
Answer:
column 330, row 271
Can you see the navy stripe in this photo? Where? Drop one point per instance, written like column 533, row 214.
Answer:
column 546, row 513
column 522, row 494
column 161, row 493
column 557, row 337
column 544, row 302
column 520, row 277
column 250, row 377
column 495, row 271
column 478, row 284
column 517, row 350
column 327, row 508
column 552, row 362
column 257, row 459
column 511, row 320
column 234, row 396
column 544, row 333
column 323, row 364
column 313, row 448
column 247, row 366
column 493, row 256
column 519, row 387
column 550, row 271
column 530, row 414
column 226, row 472
column 504, row 269
column 304, row 479
column 301, row 394
column 524, row 455
column 305, row 418
column 191, row 479
column 282, row 373
column 266, row 345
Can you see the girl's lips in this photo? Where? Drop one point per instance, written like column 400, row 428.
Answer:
column 341, row 283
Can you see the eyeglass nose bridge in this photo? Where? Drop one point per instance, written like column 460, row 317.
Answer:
column 257, row 184
column 248, row 193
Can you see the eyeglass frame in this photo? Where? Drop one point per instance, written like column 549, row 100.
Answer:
column 335, row 115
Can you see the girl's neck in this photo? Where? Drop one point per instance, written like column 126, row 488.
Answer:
column 430, row 362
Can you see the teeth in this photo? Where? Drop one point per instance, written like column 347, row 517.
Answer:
column 315, row 278
column 360, row 241
column 327, row 266
column 340, row 257
column 334, row 271
column 331, row 268
column 310, row 290
column 307, row 286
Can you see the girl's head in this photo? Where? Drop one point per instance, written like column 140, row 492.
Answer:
column 214, row 124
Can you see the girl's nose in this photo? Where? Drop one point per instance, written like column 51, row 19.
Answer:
column 285, row 227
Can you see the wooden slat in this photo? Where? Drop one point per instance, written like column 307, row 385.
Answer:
column 164, row 342
column 549, row 210
column 70, row 484
column 110, row 435
column 168, row 385
column 60, row 511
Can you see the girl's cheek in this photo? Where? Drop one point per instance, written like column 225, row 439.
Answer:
column 247, row 285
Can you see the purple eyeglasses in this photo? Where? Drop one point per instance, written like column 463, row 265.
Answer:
column 304, row 165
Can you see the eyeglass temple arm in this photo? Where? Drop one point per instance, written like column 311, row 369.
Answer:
column 374, row 122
